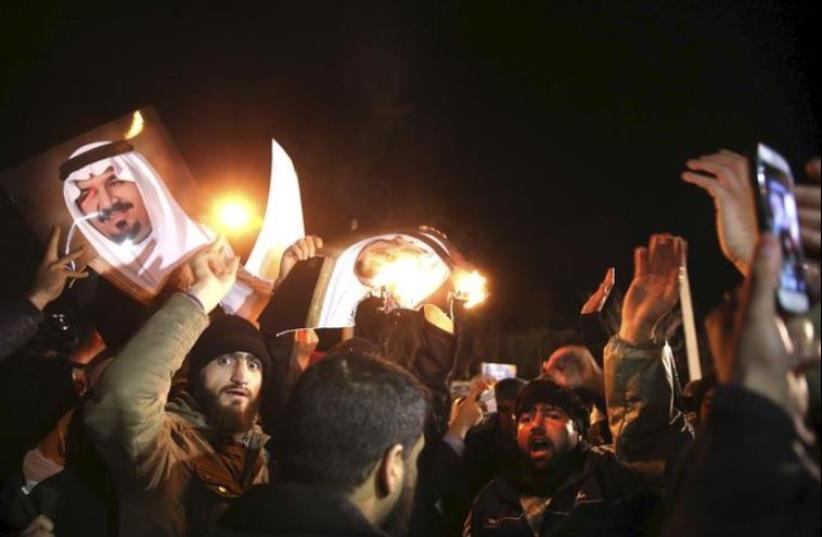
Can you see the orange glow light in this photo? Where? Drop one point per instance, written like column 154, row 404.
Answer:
column 233, row 216
column 472, row 287
column 410, row 278
column 136, row 127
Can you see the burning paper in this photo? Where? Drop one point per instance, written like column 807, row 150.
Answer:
column 407, row 268
column 470, row 286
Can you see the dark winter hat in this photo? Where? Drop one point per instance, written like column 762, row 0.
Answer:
column 542, row 390
column 225, row 335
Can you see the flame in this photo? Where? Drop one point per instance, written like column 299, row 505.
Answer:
column 136, row 127
column 233, row 215
column 472, row 287
column 410, row 278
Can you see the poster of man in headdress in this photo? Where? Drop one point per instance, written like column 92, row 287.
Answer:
column 407, row 267
column 119, row 190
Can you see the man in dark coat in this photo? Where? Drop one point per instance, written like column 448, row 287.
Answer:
column 559, row 483
column 562, row 486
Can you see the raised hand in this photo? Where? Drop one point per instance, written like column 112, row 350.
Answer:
column 215, row 271
column 654, row 289
column 573, row 366
column 748, row 340
column 302, row 249
column 469, row 412
column 726, row 177
column 597, row 300
column 53, row 272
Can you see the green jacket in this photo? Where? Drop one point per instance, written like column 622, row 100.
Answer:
column 173, row 474
column 616, row 491
column 647, row 428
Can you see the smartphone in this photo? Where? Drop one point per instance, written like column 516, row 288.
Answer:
column 778, row 215
column 498, row 371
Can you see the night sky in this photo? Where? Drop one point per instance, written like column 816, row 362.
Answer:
column 545, row 138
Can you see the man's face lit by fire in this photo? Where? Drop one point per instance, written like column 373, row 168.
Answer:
column 545, row 431
column 123, row 215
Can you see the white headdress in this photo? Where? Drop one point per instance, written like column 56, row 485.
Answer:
column 173, row 235
column 345, row 291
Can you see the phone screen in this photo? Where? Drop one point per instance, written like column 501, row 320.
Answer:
column 780, row 214
column 499, row 371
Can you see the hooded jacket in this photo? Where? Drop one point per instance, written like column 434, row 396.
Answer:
column 173, row 473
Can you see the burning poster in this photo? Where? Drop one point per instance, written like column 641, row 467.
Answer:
column 407, row 268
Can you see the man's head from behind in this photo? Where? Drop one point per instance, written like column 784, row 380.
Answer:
column 551, row 421
column 228, row 366
column 355, row 424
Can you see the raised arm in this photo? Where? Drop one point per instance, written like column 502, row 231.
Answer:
column 751, row 431
column 639, row 379
column 726, row 177
column 126, row 417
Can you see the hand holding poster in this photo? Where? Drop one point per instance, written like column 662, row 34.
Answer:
column 409, row 267
column 117, row 196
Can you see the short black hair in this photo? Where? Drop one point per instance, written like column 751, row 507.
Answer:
column 507, row 389
column 343, row 415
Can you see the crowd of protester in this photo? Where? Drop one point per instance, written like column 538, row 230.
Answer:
column 198, row 424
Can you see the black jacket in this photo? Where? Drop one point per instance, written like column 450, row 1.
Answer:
column 488, row 452
column 746, row 474
column 19, row 321
column 293, row 510
column 36, row 388
column 604, row 498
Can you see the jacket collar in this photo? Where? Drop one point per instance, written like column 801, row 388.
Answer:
column 510, row 491
column 296, row 508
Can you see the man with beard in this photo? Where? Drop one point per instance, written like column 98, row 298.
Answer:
column 559, row 484
column 178, row 464
column 348, row 454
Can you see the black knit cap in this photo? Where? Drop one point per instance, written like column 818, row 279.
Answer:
column 542, row 390
column 227, row 334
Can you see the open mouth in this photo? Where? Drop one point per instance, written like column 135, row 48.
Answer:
column 539, row 447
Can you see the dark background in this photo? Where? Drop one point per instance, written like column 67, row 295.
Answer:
column 545, row 138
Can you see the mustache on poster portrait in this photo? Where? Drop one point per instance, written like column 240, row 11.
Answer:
column 117, row 207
